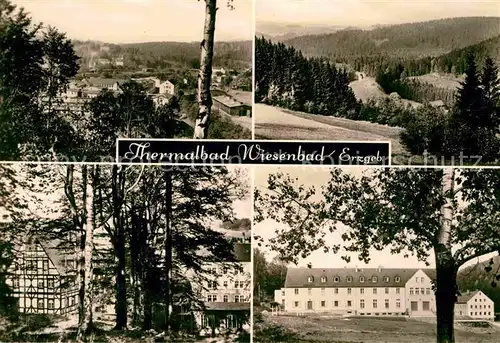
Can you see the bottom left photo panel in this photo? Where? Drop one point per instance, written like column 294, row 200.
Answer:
column 122, row 253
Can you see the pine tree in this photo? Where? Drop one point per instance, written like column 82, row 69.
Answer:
column 491, row 89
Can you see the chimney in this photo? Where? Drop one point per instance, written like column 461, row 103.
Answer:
column 379, row 268
column 356, row 268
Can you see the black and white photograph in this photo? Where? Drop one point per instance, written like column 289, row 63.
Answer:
column 422, row 74
column 376, row 255
column 75, row 75
column 110, row 253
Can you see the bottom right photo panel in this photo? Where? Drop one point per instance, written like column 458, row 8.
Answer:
column 379, row 255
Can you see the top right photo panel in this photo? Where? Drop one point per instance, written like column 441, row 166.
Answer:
column 423, row 75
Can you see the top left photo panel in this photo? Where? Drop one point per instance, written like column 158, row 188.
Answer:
column 76, row 75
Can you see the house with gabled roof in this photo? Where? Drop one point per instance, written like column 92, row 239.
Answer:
column 475, row 305
column 43, row 278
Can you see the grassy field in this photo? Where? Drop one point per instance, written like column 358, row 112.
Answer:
column 322, row 329
column 276, row 123
column 446, row 81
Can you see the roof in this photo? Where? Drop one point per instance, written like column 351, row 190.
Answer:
column 51, row 248
column 100, row 81
column 298, row 277
column 242, row 252
column 437, row 103
column 168, row 96
column 227, row 306
column 464, row 299
column 227, row 101
column 243, row 97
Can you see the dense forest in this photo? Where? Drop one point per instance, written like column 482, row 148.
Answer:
column 284, row 77
column 411, row 40
column 235, row 55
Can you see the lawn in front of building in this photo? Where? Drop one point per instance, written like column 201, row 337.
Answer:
column 322, row 329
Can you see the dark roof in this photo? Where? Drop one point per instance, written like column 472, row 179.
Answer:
column 464, row 298
column 338, row 277
column 102, row 81
column 227, row 101
column 242, row 252
column 227, row 306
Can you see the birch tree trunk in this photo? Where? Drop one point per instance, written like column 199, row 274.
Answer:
column 446, row 269
column 118, row 184
column 205, row 75
column 89, row 226
column 168, row 246
column 81, row 252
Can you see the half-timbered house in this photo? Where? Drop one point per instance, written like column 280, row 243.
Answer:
column 43, row 278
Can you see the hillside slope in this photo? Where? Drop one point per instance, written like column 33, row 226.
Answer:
column 412, row 40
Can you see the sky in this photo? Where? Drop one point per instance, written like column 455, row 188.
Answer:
column 365, row 13
column 317, row 176
column 133, row 21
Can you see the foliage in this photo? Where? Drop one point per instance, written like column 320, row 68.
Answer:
column 35, row 65
column 267, row 276
column 284, row 77
column 7, row 302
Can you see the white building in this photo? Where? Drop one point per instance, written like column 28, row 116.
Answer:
column 379, row 291
column 166, row 87
column 475, row 305
column 227, row 292
column 358, row 291
column 97, row 84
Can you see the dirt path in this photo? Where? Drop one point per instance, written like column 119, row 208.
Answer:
column 276, row 123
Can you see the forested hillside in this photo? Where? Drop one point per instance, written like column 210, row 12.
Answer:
column 159, row 54
column 412, row 40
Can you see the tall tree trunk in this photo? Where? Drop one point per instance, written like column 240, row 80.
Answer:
column 168, row 246
column 86, row 325
column 148, row 283
column 119, row 246
column 205, row 76
column 81, row 252
column 446, row 269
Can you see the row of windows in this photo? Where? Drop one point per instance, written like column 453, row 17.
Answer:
column 337, row 279
column 349, row 303
column 420, row 291
column 69, row 301
column 480, row 306
column 237, row 284
column 40, row 283
column 349, row 291
column 225, row 298
column 224, row 270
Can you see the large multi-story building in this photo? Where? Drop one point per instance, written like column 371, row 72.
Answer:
column 358, row 291
column 43, row 278
column 227, row 292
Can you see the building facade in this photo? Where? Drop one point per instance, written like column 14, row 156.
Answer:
column 227, row 292
column 371, row 292
column 475, row 305
column 43, row 279
column 166, row 87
